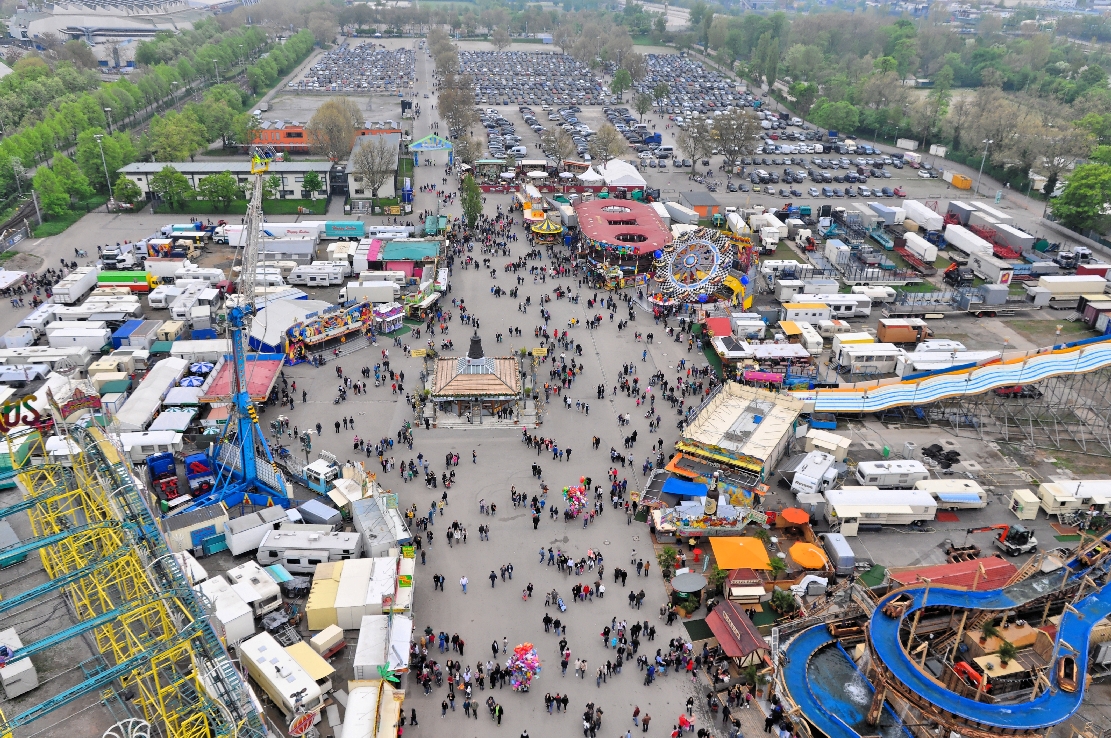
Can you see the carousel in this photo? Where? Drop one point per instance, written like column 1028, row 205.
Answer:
column 619, row 239
column 547, row 233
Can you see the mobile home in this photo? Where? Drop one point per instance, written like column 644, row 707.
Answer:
column 287, row 684
column 955, row 494
column 892, row 474
column 850, row 508
column 868, row 358
column 257, row 588
column 246, row 532
column 846, row 306
column 811, row 312
column 301, row 551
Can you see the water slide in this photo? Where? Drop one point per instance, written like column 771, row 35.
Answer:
column 838, row 714
column 1080, row 357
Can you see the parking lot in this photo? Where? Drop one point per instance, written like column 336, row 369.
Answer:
column 530, row 78
column 360, row 67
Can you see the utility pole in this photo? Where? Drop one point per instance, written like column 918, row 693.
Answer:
column 107, row 177
column 987, row 144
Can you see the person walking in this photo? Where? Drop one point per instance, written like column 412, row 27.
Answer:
column 636, row 715
column 644, row 723
column 463, row 582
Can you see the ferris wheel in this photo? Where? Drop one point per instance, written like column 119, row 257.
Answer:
column 692, row 267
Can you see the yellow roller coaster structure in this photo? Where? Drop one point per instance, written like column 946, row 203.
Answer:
column 123, row 588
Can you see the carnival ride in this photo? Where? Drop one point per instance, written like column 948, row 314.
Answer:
column 814, row 661
column 1078, row 357
column 692, row 268
column 152, row 649
column 245, row 469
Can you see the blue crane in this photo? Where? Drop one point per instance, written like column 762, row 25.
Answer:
column 245, row 468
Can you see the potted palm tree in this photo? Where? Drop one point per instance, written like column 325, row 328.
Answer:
column 988, row 630
column 1006, row 653
column 666, row 559
column 777, row 565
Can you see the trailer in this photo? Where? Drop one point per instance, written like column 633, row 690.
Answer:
column 891, row 474
column 300, row 551
column 139, row 282
column 75, row 285
column 954, row 493
column 279, row 675
column 189, row 531
column 232, row 617
column 877, row 295
column 848, row 508
column 926, row 218
column 209, row 276
column 917, row 362
column 868, row 358
column 317, row 276
column 810, row 312
column 991, row 269
column 246, row 532
column 896, row 330
column 375, row 292
column 257, row 588
column 144, row 403
column 965, row 241
column 91, row 338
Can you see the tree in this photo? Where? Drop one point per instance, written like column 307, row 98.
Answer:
column 778, row 566
column 804, row 93
column 53, row 197
column 636, row 64
column 1060, row 150
column 456, row 103
column 332, row 128
column 735, row 133
column 696, row 141
column 312, row 184
column 1083, row 202
column 622, row 81
column 471, row 201
column 70, row 177
column 557, row 143
column 838, row 116
column 79, row 53
column 171, row 186
column 118, row 152
column 1007, row 652
column 607, row 144
column 271, row 186
column 374, row 162
column 642, row 103
column 127, row 191
column 500, row 38
column 222, row 189
column 467, row 149
column 175, row 136
column 660, row 92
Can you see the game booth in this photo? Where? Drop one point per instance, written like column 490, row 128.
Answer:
column 388, row 317
column 619, row 239
column 336, row 324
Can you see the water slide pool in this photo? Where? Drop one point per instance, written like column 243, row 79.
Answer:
column 1075, row 358
column 831, row 691
column 838, row 712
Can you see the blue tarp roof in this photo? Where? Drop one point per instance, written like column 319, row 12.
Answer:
column 676, row 486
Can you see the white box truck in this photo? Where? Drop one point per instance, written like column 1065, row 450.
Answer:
column 376, row 292
column 75, row 286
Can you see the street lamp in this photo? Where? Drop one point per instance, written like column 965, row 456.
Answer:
column 100, row 142
column 109, row 112
column 987, row 142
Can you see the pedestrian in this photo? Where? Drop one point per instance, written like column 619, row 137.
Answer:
column 443, row 709
column 474, row 456
column 636, row 715
column 463, row 582
column 644, row 723
column 413, row 717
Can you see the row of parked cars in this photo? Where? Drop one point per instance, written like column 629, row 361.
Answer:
column 861, row 191
column 501, row 134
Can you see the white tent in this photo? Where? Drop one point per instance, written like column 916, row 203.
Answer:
column 590, row 176
column 271, row 323
column 618, row 173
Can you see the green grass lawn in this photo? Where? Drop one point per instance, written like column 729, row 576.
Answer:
column 1044, row 332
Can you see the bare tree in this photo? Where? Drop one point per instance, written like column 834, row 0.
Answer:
column 331, row 130
column 735, row 133
column 607, row 144
column 1061, row 148
column 696, row 141
column 500, row 38
column 467, row 149
column 373, row 163
column 557, row 142
column 457, row 103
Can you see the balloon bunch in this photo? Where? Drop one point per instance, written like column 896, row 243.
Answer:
column 523, row 666
column 576, row 497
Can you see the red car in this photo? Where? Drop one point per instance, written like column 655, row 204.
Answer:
column 900, row 192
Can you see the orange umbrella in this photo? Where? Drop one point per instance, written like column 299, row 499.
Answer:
column 795, row 516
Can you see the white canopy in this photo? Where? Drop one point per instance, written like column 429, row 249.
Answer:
column 590, row 175
column 618, row 173
column 270, row 324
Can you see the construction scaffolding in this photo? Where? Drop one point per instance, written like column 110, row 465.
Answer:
column 157, row 658
column 1070, row 412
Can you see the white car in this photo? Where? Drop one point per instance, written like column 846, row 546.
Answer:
column 923, row 174
column 646, row 155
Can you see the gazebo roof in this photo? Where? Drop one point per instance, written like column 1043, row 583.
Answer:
column 431, row 142
column 476, row 375
column 547, row 227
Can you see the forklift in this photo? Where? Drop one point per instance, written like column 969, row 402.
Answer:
column 1013, row 539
